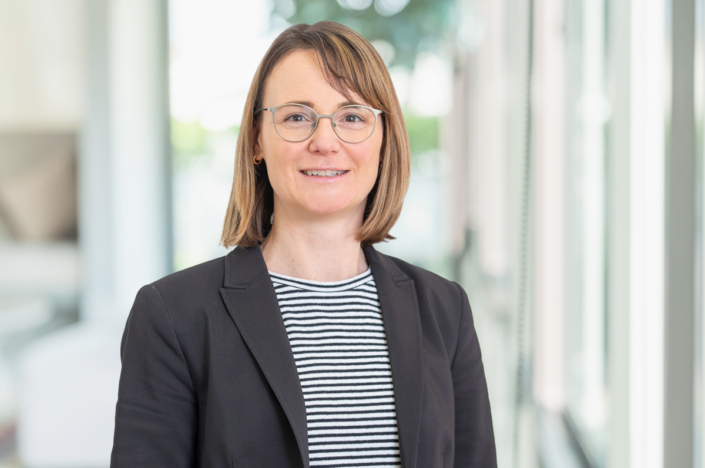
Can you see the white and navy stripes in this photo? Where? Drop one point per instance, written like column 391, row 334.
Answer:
column 337, row 336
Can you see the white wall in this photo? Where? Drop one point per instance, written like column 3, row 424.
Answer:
column 42, row 52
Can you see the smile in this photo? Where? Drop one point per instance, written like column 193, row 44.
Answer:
column 327, row 173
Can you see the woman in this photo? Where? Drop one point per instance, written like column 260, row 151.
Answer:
column 304, row 346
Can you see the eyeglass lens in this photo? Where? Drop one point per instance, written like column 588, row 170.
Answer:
column 352, row 124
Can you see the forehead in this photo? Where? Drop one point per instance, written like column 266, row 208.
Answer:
column 299, row 77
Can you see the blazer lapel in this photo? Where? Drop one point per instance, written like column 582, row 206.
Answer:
column 402, row 326
column 252, row 303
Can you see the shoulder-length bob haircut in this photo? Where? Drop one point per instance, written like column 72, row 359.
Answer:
column 349, row 63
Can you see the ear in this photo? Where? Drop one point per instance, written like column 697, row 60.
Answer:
column 258, row 144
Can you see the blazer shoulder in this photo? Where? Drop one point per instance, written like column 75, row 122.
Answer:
column 426, row 280
column 441, row 300
column 205, row 276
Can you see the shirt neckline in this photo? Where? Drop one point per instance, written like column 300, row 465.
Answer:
column 321, row 283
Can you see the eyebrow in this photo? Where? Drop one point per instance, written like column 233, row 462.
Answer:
column 341, row 104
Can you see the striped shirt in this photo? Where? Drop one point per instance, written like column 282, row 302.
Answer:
column 337, row 336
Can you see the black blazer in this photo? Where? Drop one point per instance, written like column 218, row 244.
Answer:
column 209, row 379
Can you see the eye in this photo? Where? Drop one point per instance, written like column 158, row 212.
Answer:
column 351, row 117
column 295, row 118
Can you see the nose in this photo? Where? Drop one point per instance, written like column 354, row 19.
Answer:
column 324, row 140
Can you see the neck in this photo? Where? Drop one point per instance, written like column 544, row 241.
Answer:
column 322, row 250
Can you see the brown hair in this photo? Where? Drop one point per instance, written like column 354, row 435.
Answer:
column 349, row 62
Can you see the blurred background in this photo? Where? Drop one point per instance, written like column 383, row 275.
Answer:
column 557, row 150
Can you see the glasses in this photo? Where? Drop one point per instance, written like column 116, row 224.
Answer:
column 297, row 122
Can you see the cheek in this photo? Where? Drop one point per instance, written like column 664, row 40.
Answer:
column 368, row 166
column 281, row 157
column 278, row 178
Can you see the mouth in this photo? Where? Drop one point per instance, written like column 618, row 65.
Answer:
column 321, row 174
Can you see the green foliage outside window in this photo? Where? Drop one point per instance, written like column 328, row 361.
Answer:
column 188, row 139
column 420, row 25
column 423, row 133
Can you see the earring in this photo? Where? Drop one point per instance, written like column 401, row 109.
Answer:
column 256, row 161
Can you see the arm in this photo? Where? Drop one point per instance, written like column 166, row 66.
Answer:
column 474, row 435
column 155, row 418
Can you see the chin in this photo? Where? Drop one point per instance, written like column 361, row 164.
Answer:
column 326, row 207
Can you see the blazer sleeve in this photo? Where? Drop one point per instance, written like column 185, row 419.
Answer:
column 155, row 418
column 474, row 434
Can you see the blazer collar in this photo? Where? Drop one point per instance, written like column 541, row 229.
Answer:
column 249, row 296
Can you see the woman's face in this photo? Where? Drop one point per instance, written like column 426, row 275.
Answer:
column 299, row 79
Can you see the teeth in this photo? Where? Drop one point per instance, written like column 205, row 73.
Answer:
column 324, row 173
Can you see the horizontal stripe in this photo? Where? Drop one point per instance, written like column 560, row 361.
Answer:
column 368, row 434
column 346, row 388
column 336, row 333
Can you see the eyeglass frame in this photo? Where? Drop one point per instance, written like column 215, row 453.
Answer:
column 319, row 117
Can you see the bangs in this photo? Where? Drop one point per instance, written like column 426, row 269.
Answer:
column 348, row 67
